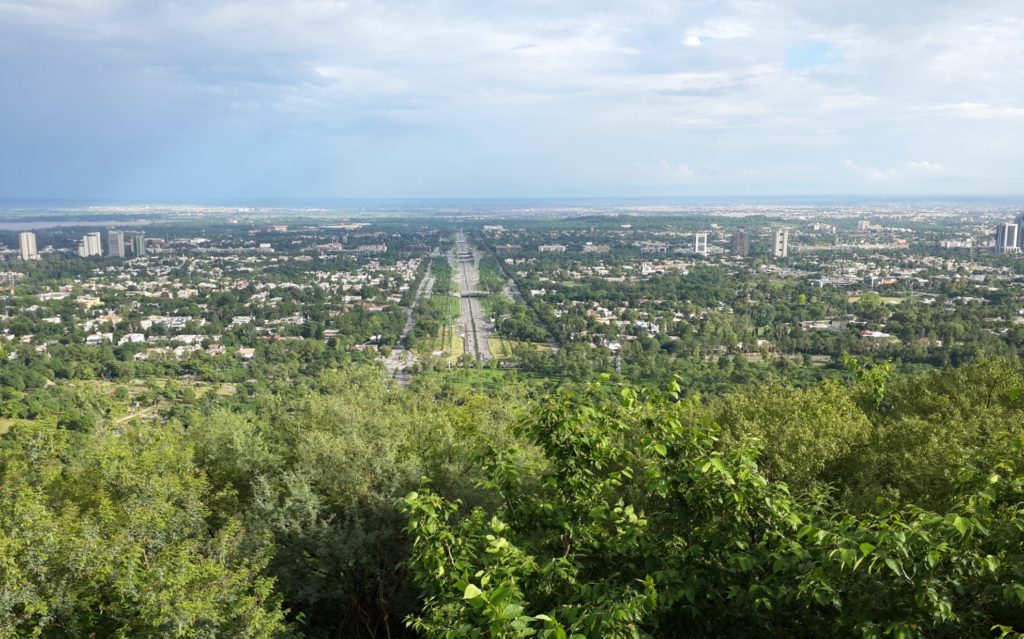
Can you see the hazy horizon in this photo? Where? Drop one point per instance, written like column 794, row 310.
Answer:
column 302, row 202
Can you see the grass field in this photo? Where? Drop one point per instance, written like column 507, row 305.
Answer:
column 446, row 339
column 885, row 299
column 816, row 360
column 501, row 347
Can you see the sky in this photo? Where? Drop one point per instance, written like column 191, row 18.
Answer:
column 186, row 100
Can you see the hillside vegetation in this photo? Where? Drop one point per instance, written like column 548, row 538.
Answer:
column 876, row 504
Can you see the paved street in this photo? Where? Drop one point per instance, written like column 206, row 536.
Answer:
column 473, row 325
column 401, row 358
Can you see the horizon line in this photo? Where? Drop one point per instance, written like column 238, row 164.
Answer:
column 253, row 200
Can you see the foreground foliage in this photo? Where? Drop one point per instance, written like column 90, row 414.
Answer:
column 320, row 474
column 111, row 534
column 878, row 504
column 640, row 522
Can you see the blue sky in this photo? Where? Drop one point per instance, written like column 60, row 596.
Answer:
column 201, row 99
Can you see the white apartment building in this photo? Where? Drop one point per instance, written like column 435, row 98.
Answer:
column 90, row 245
column 27, row 242
column 115, row 243
column 780, row 243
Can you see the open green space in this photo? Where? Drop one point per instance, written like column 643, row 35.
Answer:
column 445, row 339
column 885, row 299
column 502, row 347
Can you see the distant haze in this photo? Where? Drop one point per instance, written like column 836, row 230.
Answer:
column 191, row 100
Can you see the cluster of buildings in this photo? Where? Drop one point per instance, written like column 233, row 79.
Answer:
column 151, row 315
column 119, row 244
column 713, row 240
column 739, row 244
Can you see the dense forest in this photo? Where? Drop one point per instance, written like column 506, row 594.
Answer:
column 874, row 503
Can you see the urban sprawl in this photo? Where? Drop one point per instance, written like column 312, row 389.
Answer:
column 545, row 293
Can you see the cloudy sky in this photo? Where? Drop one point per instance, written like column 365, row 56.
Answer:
column 192, row 99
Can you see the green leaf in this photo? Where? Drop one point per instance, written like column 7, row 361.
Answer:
column 866, row 548
column 894, row 566
column 472, row 592
column 661, row 449
column 992, row 563
column 847, row 556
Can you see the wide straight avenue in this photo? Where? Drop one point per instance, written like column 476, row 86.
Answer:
column 472, row 324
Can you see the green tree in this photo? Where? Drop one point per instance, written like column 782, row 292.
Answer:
column 320, row 473
column 109, row 534
column 639, row 522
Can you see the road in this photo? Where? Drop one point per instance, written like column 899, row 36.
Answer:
column 473, row 325
column 401, row 358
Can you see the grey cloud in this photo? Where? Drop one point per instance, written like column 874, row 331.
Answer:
column 502, row 84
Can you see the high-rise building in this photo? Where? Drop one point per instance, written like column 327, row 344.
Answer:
column 27, row 243
column 115, row 243
column 700, row 243
column 137, row 242
column 1020, row 231
column 780, row 243
column 91, row 245
column 740, row 243
column 1008, row 238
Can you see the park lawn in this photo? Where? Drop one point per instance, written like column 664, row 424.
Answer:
column 816, row 360
column 886, row 299
column 136, row 387
column 455, row 347
column 502, row 347
column 454, row 307
column 447, row 339
column 498, row 346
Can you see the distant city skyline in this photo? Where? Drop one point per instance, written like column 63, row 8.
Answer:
column 230, row 100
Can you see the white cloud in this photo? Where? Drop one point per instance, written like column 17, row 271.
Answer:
column 674, row 173
column 360, row 82
column 564, row 90
column 677, row 172
column 717, row 30
column 925, row 166
column 912, row 170
column 722, row 30
column 975, row 111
